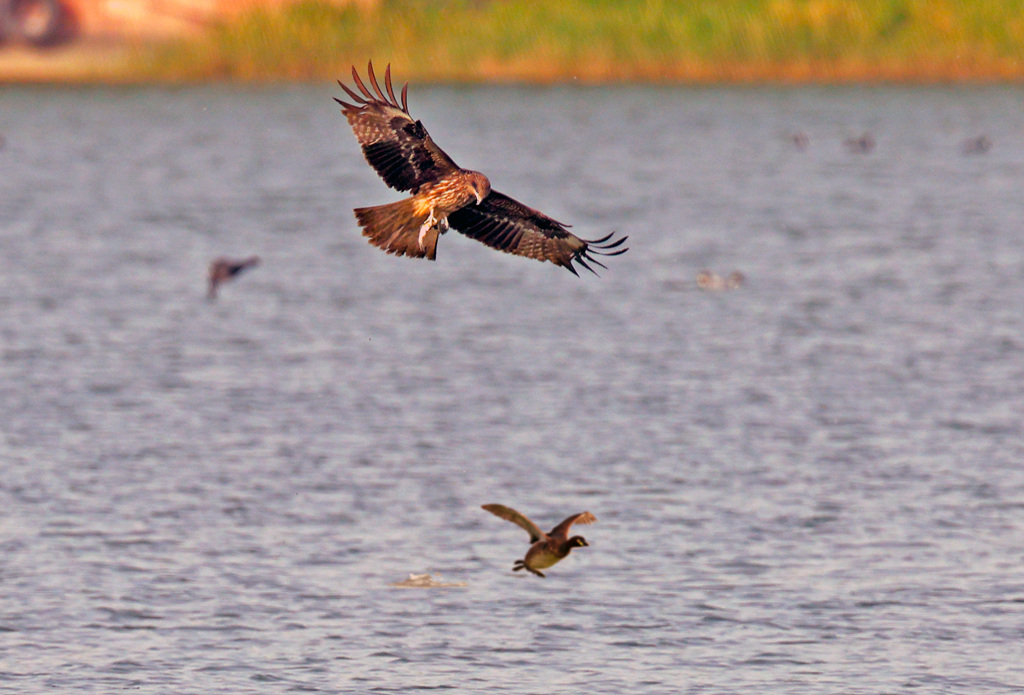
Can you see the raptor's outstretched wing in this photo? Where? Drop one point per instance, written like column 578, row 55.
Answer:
column 506, row 224
column 397, row 147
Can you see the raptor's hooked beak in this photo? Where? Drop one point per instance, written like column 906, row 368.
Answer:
column 479, row 198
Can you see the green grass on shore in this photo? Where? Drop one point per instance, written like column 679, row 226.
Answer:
column 611, row 40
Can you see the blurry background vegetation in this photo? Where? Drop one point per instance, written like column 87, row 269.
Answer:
column 610, row 40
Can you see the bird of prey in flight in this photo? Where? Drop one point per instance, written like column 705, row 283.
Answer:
column 444, row 195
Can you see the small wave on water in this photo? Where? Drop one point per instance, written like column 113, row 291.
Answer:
column 425, row 581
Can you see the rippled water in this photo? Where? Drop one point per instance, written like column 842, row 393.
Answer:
column 810, row 484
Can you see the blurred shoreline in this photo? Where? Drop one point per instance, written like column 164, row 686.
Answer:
column 520, row 41
column 81, row 62
column 122, row 62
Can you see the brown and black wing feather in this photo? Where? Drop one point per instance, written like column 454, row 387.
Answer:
column 396, row 146
column 505, row 224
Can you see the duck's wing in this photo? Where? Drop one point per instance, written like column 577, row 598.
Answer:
column 509, row 514
column 563, row 528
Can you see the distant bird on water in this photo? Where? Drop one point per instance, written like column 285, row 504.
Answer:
column 978, row 145
column 862, row 144
column 443, row 194
column 223, row 269
column 546, row 549
column 712, row 282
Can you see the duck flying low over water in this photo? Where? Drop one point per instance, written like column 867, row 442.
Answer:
column 546, row 549
column 223, row 269
column 443, row 194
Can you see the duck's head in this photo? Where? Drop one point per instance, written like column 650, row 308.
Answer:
column 577, row 542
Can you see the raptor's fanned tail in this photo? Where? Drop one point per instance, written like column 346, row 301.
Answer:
column 398, row 229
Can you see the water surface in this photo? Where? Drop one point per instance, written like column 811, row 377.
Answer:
column 812, row 484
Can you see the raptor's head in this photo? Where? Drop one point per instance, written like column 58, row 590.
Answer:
column 480, row 185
